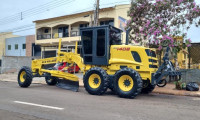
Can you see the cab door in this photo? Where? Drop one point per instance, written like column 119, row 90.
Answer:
column 101, row 46
column 95, row 45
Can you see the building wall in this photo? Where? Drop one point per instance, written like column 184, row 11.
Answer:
column 15, row 52
column 14, row 63
column 72, row 20
column 29, row 41
column 3, row 36
column 190, row 75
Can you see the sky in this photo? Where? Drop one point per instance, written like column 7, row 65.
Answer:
column 15, row 7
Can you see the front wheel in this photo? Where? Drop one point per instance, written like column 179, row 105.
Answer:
column 128, row 83
column 162, row 83
column 147, row 87
column 51, row 80
column 25, row 77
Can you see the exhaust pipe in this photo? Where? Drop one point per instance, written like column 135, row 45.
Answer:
column 127, row 34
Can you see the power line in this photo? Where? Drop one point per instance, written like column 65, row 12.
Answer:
column 22, row 16
column 47, row 8
column 31, row 25
column 40, row 9
column 115, row 3
column 20, row 27
column 41, row 6
column 33, row 11
column 26, row 27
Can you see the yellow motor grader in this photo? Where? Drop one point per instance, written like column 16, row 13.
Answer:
column 105, row 63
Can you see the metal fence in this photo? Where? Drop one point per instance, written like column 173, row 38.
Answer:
column 192, row 74
column 194, row 56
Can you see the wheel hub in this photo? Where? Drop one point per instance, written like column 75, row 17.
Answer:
column 96, row 81
column 127, row 82
column 24, row 76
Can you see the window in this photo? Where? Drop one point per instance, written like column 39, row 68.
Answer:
column 101, row 42
column 63, row 31
column 108, row 22
column 46, row 30
column 23, row 46
column 9, row 47
column 84, row 25
column 87, row 41
column 16, row 46
column 115, row 37
column 136, row 56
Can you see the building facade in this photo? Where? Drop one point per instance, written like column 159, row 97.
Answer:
column 68, row 27
column 22, row 46
column 3, row 37
column 31, row 48
column 16, row 46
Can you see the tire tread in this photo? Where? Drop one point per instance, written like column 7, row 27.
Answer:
column 29, row 77
column 104, row 74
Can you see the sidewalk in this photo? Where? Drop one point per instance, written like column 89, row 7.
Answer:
column 168, row 89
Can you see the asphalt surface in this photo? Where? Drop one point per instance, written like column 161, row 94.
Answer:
column 43, row 102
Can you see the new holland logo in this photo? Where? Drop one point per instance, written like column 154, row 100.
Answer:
column 122, row 48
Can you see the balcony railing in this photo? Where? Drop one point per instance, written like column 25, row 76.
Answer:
column 44, row 36
column 74, row 33
column 60, row 35
column 57, row 35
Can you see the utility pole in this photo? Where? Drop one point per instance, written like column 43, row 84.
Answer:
column 132, row 1
column 96, row 13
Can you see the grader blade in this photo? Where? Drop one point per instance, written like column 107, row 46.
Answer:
column 66, row 80
column 68, row 85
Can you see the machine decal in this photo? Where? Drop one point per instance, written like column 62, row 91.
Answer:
column 122, row 48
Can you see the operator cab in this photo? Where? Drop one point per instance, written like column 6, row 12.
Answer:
column 96, row 42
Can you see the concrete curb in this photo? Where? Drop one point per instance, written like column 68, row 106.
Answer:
column 197, row 94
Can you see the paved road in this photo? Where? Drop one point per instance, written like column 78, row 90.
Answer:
column 42, row 102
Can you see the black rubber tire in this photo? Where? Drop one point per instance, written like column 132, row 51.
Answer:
column 51, row 80
column 28, row 78
column 163, row 84
column 111, row 83
column 104, row 81
column 136, row 87
column 147, row 88
column 111, row 88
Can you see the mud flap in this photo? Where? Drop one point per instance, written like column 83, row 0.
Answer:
column 68, row 85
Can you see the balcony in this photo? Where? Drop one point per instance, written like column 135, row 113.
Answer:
column 44, row 36
column 48, row 36
column 44, row 33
